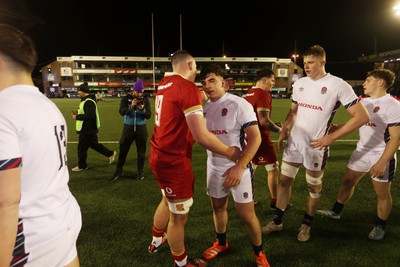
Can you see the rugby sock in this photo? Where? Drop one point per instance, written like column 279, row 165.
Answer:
column 337, row 207
column 278, row 215
column 307, row 219
column 381, row 223
column 221, row 239
column 180, row 257
column 157, row 236
column 257, row 249
column 157, row 232
column 272, row 202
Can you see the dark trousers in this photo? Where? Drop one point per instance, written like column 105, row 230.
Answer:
column 132, row 133
column 87, row 141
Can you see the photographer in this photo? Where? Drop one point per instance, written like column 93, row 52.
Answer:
column 136, row 110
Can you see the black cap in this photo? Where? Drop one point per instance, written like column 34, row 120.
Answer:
column 84, row 88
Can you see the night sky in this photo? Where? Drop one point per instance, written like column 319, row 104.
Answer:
column 346, row 29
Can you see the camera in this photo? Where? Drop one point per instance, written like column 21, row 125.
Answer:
column 140, row 101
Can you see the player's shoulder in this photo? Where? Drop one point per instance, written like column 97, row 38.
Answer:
column 240, row 102
column 236, row 98
column 337, row 81
column 392, row 102
column 301, row 81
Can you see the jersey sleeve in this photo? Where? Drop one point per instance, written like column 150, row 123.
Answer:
column 246, row 116
column 347, row 96
column 10, row 153
column 191, row 100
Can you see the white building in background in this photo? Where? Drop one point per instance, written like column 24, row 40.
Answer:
column 114, row 75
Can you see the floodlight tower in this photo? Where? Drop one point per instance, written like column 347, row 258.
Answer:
column 295, row 55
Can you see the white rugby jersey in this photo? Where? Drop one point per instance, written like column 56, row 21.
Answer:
column 317, row 103
column 384, row 112
column 226, row 119
column 33, row 129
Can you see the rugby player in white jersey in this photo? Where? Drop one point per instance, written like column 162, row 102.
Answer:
column 40, row 219
column 315, row 100
column 232, row 120
column 376, row 150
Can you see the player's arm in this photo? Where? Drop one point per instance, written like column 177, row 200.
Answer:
column 334, row 127
column 378, row 169
column 253, row 138
column 200, row 133
column 287, row 125
column 234, row 174
column 359, row 117
column 265, row 121
column 9, row 205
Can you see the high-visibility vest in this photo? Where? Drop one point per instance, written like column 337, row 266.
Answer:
column 79, row 123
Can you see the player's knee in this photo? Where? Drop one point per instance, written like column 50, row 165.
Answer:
column 181, row 207
column 289, row 170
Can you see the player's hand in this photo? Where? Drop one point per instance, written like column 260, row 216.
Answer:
column 234, row 153
column 233, row 175
column 378, row 170
column 322, row 142
column 282, row 138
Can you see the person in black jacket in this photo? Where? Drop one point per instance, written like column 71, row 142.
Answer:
column 136, row 110
column 87, row 124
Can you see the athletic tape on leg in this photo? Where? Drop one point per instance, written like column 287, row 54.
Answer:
column 182, row 207
column 289, row 170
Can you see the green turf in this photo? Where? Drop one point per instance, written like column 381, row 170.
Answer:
column 117, row 216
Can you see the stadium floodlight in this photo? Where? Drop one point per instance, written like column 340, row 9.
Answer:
column 397, row 10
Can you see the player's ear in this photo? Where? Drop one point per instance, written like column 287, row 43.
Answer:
column 190, row 65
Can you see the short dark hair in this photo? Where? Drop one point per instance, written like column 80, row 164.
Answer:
column 387, row 75
column 315, row 50
column 179, row 56
column 266, row 72
column 211, row 68
column 18, row 46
